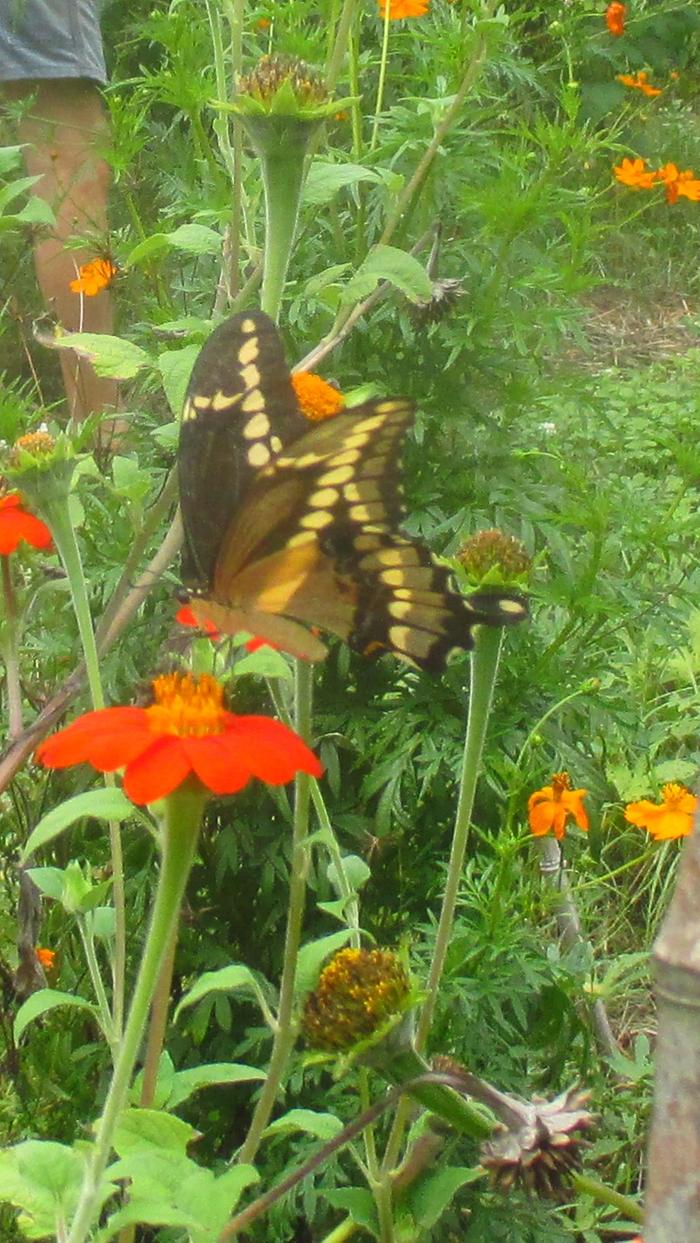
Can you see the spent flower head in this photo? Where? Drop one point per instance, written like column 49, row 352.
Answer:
column 42, row 464
column 492, row 558
column 283, row 86
column 540, row 1147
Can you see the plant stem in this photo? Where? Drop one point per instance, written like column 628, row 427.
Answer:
column 183, row 811
column 283, row 178
column 59, row 519
column 285, row 1033
column 587, row 1186
column 484, row 668
column 382, row 77
column 158, row 1022
column 13, row 689
column 98, row 985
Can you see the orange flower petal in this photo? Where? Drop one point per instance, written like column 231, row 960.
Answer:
column 93, row 276
column 541, row 816
column 671, row 824
column 270, row 750
column 157, row 771
column 573, row 802
column 215, row 762
column 16, row 524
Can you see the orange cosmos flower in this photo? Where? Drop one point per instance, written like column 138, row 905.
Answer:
column 671, row 818
column 635, row 174
column 93, row 276
column 549, row 808
column 402, row 8
column 186, row 732
column 615, row 15
column 639, row 82
column 318, row 400
column 17, row 524
column 45, row 957
column 678, row 184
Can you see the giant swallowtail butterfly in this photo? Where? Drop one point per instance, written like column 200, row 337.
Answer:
column 290, row 524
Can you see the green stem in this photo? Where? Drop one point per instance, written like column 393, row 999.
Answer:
column 98, row 984
column 13, row 689
column 58, row 516
column 378, row 1181
column 382, row 77
column 587, row 1186
column 484, row 668
column 285, row 1033
column 183, row 811
column 406, row 1065
column 515, row 790
column 335, row 61
column 283, row 178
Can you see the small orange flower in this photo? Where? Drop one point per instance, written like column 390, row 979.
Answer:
column 403, row 8
column 615, row 15
column 549, row 808
column 263, row 23
column 639, row 82
column 635, row 174
column 17, row 524
column 678, row 184
column 45, row 957
column 186, row 732
column 318, row 400
column 93, row 276
column 673, row 817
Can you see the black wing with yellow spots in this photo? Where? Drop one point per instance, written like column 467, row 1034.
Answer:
column 313, row 538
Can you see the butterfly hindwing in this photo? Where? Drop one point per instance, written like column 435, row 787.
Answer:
column 315, row 541
column 240, row 409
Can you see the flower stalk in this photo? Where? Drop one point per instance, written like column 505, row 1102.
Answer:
column 11, row 651
column 180, row 826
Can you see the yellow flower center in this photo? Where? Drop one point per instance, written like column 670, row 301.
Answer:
column 672, row 795
column 187, row 706
column 357, row 992
column 318, row 400
column 560, row 783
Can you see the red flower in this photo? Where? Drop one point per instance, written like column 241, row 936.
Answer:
column 186, row 617
column 17, row 524
column 253, row 645
column 186, row 731
column 615, row 15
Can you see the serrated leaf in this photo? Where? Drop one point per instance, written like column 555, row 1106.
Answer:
column 41, row 1002
column 107, row 804
column 326, row 179
column 110, row 356
column 312, row 957
column 387, row 263
column 187, row 1082
column 175, row 367
column 430, row 1195
column 226, row 979
column 322, row 1125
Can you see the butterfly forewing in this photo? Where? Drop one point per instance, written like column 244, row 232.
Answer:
column 240, row 409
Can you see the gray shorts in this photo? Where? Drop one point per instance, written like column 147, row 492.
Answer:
column 51, row 39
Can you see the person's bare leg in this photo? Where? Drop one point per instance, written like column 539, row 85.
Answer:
column 63, row 130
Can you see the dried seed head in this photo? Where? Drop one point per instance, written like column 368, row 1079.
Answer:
column 541, row 1151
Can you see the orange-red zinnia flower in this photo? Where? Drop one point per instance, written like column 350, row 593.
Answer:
column 549, row 808
column 615, row 15
column 639, row 82
column 403, row 8
column 672, row 817
column 93, row 276
column 185, row 732
column 318, row 400
column 17, row 524
column 46, row 957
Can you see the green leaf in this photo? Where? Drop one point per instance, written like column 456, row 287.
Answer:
column 357, row 1202
column 169, row 1189
column 356, row 871
column 100, row 922
column 150, row 246
column 265, row 663
column 431, row 1193
column 198, row 239
column 325, row 180
column 312, row 957
column 41, row 1002
column 226, row 979
column 145, row 1130
column 186, row 1082
column 43, row 1180
column 107, row 804
column 322, row 1125
column 50, row 881
column 110, row 356
column 175, row 367
column 10, row 157
column 386, row 263
column 316, row 284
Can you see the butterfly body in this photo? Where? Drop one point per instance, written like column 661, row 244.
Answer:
column 290, row 524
